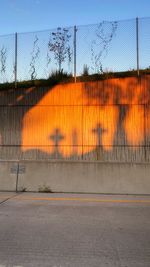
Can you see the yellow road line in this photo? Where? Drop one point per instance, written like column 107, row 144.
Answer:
column 85, row 199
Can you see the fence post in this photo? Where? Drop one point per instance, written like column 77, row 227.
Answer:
column 16, row 50
column 137, row 45
column 75, row 54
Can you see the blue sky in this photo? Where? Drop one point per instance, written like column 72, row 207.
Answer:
column 32, row 15
column 38, row 15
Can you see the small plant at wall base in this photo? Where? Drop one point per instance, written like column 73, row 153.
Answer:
column 59, row 46
column 45, row 189
column 23, row 189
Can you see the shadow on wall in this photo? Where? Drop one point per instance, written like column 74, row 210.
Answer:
column 104, row 120
column 14, row 104
column 76, row 119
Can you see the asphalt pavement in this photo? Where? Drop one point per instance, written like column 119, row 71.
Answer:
column 70, row 230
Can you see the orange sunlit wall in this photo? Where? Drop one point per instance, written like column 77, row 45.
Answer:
column 77, row 118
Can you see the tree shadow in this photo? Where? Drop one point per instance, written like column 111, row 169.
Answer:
column 131, row 97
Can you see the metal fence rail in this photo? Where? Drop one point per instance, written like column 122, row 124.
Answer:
column 80, row 50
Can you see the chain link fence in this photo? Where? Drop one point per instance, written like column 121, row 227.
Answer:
column 100, row 48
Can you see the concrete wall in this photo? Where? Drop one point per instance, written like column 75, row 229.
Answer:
column 77, row 177
column 107, row 121
column 8, row 175
column 84, row 137
column 86, row 177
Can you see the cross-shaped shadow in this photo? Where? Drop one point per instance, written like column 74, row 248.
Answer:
column 56, row 137
column 99, row 131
